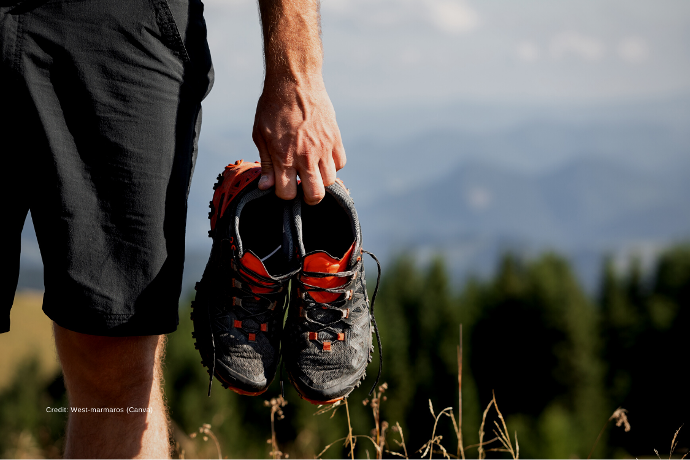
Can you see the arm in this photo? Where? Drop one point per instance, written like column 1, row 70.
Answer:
column 295, row 128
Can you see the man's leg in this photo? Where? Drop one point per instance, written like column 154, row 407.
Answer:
column 115, row 372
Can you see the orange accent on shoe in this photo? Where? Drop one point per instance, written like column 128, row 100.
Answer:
column 253, row 263
column 313, row 336
column 327, row 346
column 235, row 179
column 341, row 336
column 252, row 337
column 323, row 263
column 241, row 392
column 237, row 324
column 264, row 327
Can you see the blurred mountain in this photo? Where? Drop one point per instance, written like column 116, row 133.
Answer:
column 584, row 209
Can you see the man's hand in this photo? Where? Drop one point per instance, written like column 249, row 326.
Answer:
column 296, row 134
column 295, row 128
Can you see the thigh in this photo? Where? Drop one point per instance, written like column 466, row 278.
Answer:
column 117, row 95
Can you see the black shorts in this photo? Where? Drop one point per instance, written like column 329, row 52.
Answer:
column 100, row 105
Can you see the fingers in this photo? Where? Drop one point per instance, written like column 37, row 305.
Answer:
column 286, row 183
column 267, row 179
column 327, row 169
column 312, row 184
column 339, row 158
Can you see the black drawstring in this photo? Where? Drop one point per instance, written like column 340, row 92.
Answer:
column 373, row 320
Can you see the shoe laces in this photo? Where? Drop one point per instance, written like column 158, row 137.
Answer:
column 310, row 304
column 248, row 301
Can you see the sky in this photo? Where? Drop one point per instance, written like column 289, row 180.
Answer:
column 382, row 54
column 401, row 69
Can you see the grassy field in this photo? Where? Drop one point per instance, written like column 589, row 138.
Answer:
column 30, row 334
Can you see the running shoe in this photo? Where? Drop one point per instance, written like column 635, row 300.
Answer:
column 328, row 334
column 241, row 299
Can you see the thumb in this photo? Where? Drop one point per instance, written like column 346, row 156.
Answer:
column 267, row 179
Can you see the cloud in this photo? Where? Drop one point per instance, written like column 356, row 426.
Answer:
column 587, row 48
column 527, row 51
column 633, row 49
column 452, row 16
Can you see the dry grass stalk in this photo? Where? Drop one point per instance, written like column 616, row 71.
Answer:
column 354, row 441
column 436, row 440
column 674, row 443
column 458, row 427
column 481, row 444
column 380, row 426
column 349, row 439
column 322, row 409
column 276, row 405
column 501, row 435
column 205, row 430
column 621, row 418
column 400, row 443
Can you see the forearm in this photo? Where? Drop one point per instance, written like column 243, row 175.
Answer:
column 295, row 129
column 292, row 41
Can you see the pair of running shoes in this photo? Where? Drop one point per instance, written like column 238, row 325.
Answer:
column 268, row 256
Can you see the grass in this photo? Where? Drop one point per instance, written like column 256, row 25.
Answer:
column 32, row 334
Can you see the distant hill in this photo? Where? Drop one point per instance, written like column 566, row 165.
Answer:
column 584, row 209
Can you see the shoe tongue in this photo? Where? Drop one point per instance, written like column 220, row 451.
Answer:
column 322, row 262
column 253, row 263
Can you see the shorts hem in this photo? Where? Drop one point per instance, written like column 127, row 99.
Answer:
column 114, row 325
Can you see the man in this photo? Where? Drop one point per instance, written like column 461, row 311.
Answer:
column 99, row 122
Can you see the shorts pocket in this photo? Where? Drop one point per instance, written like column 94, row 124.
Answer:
column 170, row 34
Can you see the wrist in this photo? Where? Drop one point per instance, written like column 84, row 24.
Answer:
column 302, row 79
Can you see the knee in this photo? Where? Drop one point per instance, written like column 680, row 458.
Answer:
column 113, row 367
